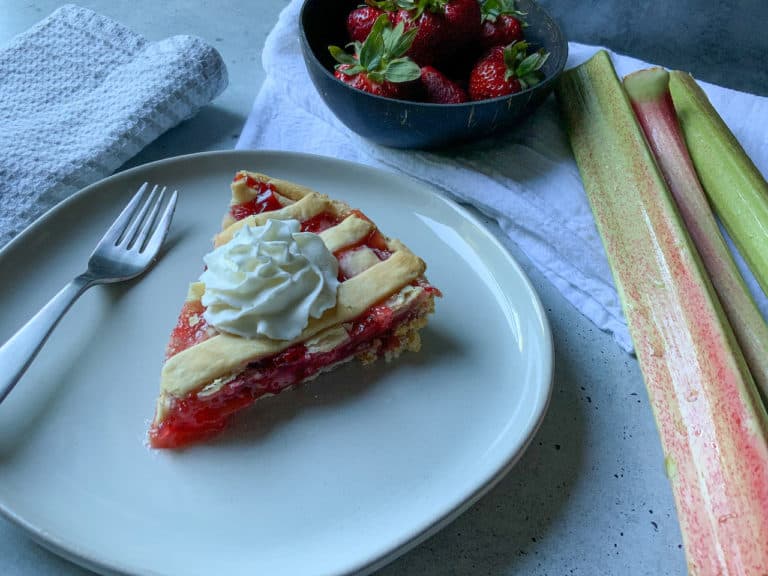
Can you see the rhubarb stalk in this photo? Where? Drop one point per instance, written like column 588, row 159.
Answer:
column 713, row 427
column 648, row 90
column 739, row 194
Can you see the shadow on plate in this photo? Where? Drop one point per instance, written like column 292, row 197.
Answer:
column 329, row 391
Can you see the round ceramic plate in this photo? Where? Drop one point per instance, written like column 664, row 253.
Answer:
column 338, row 476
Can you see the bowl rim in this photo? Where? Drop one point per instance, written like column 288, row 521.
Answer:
column 560, row 36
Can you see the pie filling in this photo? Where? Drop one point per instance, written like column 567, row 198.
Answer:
column 380, row 332
column 384, row 329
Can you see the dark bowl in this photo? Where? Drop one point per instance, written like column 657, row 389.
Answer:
column 406, row 124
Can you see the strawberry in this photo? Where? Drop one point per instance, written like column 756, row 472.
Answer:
column 463, row 23
column 439, row 89
column 503, row 30
column 378, row 65
column 504, row 70
column 501, row 23
column 364, row 82
column 444, row 26
column 430, row 37
column 360, row 21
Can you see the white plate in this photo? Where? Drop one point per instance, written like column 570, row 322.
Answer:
column 339, row 476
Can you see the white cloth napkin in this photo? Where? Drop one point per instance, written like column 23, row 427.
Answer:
column 527, row 179
column 80, row 95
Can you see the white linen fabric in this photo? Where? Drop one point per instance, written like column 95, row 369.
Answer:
column 80, row 94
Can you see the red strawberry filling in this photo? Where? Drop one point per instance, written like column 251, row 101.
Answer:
column 379, row 330
column 190, row 329
column 318, row 223
column 265, row 200
column 197, row 416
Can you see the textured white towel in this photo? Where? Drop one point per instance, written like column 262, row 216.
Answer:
column 81, row 94
column 526, row 180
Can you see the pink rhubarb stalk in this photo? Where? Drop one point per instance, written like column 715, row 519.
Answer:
column 713, row 427
column 648, row 90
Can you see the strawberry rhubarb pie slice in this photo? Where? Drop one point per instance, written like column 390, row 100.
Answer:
column 296, row 284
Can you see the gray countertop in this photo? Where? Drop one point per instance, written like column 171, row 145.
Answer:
column 590, row 495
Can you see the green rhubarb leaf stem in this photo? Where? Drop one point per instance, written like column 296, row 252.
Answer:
column 713, row 427
column 735, row 187
column 648, row 90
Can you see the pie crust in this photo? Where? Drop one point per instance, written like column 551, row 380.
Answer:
column 378, row 274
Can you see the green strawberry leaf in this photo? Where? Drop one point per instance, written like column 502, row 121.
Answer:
column 386, row 5
column 402, row 70
column 341, row 56
column 403, row 41
column 513, row 55
column 376, row 76
column 351, row 71
column 529, row 80
column 517, row 49
column 372, row 50
column 392, row 5
column 391, row 36
column 415, row 6
column 407, row 4
column 531, row 63
column 492, row 9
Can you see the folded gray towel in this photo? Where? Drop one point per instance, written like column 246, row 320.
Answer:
column 81, row 94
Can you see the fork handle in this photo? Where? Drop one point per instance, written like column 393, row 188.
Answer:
column 17, row 353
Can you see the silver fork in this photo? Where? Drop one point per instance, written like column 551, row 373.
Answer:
column 128, row 248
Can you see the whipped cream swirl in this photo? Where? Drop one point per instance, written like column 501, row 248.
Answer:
column 269, row 280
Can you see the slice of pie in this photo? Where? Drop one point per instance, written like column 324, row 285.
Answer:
column 296, row 284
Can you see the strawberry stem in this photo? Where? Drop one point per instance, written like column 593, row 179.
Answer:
column 527, row 69
column 415, row 7
column 491, row 9
column 381, row 55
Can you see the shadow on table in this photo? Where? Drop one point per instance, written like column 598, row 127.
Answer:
column 327, row 392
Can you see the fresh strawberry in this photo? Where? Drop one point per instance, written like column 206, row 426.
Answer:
column 458, row 66
column 444, row 26
column 378, row 65
column 502, row 23
column 504, row 70
column 364, row 82
column 463, row 23
column 439, row 89
column 430, row 37
column 503, row 30
column 360, row 21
